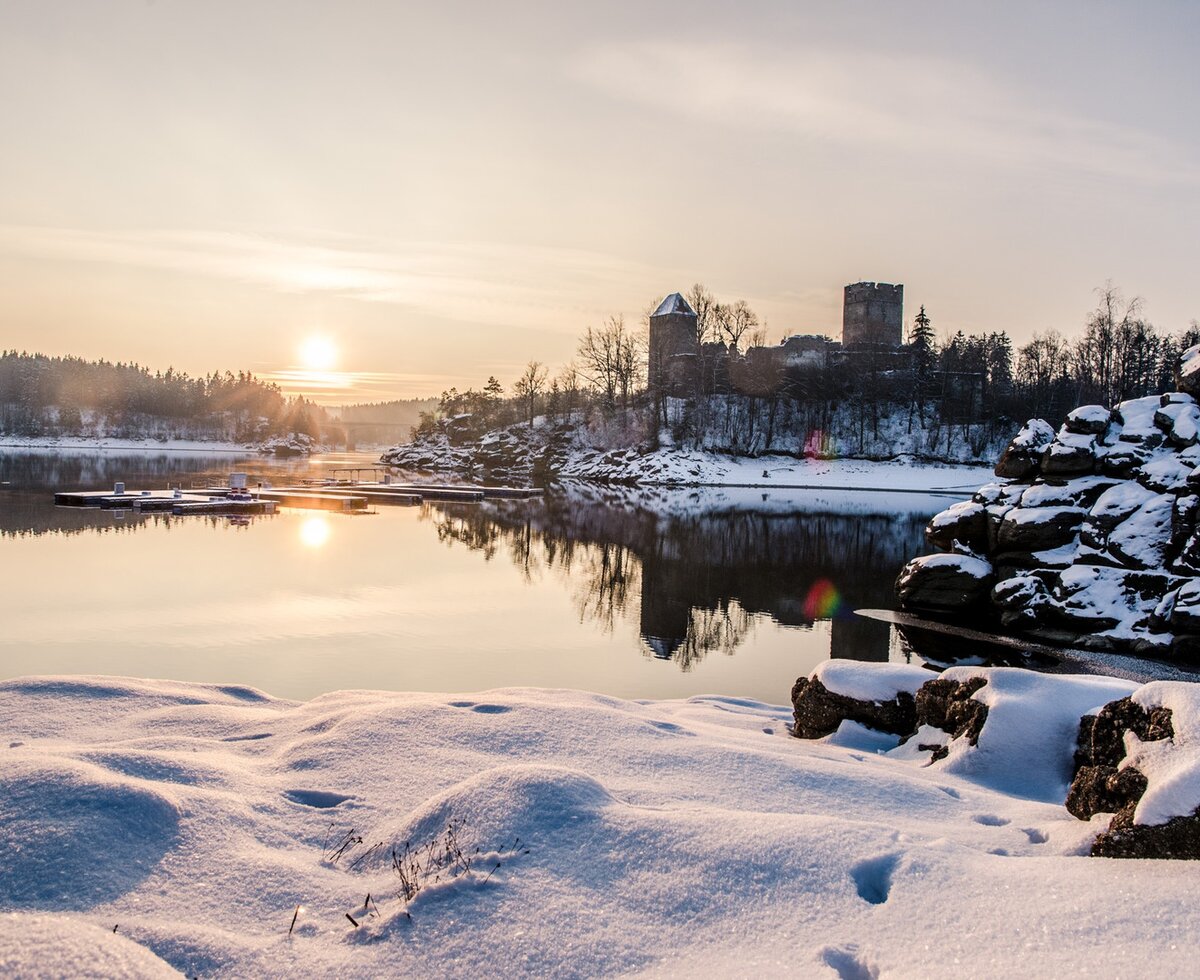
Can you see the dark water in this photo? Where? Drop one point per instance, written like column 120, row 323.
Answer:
column 655, row 594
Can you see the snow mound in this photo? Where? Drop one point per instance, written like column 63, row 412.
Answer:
column 506, row 803
column 49, row 946
column 73, row 834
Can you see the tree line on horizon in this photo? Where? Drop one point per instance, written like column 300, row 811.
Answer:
column 72, row 396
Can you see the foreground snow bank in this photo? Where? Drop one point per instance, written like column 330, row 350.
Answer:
column 655, row 837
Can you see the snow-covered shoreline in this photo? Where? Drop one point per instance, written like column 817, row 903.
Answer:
column 664, row 838
column 168, row 445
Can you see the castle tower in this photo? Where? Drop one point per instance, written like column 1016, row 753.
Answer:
column 873, row 313
column 672, row 333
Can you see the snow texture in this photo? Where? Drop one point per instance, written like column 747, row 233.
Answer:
column 680, row 838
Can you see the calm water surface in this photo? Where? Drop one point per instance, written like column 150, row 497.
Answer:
column 659, row 594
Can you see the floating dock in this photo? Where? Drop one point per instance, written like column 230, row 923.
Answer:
column 340, row 495
column 169, row 501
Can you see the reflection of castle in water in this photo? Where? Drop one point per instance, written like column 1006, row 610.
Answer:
column 703, row 580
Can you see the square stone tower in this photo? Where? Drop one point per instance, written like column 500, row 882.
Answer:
column 873, row 313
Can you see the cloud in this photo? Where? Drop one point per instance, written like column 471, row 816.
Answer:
column 891, row 103
column 479, row 283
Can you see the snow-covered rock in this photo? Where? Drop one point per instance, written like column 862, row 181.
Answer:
column 946, row 583
column 1088, row 540
column 1023, row 455
column 298, row 444
column 839, row 692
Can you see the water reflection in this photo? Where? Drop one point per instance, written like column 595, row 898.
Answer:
column 698, row 579
column 629, row 593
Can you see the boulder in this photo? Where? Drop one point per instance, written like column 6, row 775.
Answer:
column 1067, row 460
column 1038, row 528
column 965, row 523
column 949, row 705
column 1187, row 372
column 1102, row 784
column 1088, row 420
column 1023, row 455
column 945, row 583
column 819, row 712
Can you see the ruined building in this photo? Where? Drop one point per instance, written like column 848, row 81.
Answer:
column 873, row 313
column 673, row 342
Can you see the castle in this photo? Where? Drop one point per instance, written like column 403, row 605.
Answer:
column 872, row 321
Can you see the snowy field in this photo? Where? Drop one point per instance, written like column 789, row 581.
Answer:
column 147, row 826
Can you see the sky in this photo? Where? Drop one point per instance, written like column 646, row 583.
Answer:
column 442, row 192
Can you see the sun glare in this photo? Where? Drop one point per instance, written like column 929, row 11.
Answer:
column 318, row 353
column 314, row 532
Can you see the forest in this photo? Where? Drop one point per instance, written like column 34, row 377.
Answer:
column 70, row 396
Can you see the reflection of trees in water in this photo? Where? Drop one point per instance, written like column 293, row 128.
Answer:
column 702, row 580
column 66, row 470
column 605, row 576
column 24, row 515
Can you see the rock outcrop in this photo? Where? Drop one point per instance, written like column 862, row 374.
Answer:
column 1092, row 538
column 1136, row 757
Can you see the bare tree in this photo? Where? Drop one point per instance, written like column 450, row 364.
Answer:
column 704, row 304
column 732, row 322
column 529, row 386
column 612, row 360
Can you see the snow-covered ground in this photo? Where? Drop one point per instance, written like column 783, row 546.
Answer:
column 690, row 467
column 684, row 838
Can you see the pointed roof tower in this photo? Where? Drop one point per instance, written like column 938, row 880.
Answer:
column 675, row 303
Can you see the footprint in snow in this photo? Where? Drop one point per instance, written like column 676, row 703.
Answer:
column 991, row 820
column 873, row 877
column 847, row 963
column 1035, row 836
column 317, row 798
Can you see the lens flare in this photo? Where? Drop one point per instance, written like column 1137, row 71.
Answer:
column 823, row 601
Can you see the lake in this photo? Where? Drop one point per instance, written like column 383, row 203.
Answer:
column 637, row 594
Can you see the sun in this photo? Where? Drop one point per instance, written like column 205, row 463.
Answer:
column 318, row 353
